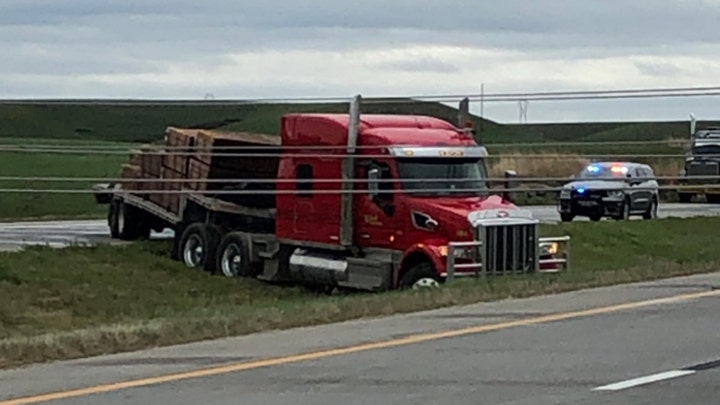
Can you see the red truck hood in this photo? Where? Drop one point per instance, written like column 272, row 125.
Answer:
column 455, row 212
column 464, row 206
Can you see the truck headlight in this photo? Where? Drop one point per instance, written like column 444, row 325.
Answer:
column 564, row 193
column 615, row 194
column 459, row 252
column 550, row 248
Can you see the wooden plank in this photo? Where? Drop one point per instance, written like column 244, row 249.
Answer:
column 171, row 201
column 128, row 174
column 135, row 158
column 180, row 143
column 151, row 161
column 198, row 170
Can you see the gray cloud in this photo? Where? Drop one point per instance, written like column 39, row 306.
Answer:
column 76, row 47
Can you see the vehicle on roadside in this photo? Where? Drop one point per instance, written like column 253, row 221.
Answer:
column 616, row 190
column 416, row 209
column 702, row 164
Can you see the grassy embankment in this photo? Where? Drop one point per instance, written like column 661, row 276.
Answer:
column 98, row 125
column 57, row 304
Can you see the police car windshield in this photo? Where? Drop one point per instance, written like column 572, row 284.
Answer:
column 599, row 171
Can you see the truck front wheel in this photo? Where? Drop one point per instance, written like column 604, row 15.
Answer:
column 421, row 275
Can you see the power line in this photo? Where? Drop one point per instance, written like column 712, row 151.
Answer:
column 273, row 180
column 98, row 147
column 487, row 97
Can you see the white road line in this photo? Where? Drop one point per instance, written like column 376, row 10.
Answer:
column 644, row 380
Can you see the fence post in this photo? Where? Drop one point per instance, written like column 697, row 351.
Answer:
column 450, row 263
column 509, row 183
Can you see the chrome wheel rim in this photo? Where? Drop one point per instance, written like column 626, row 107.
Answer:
column 193, row 251
column 120, row 220
column 425, row 282
column 231, row 260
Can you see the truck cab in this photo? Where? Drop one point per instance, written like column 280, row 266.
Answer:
column 419, row 194
column 703, row 159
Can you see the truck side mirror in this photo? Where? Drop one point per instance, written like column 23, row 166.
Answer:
column 373, row 184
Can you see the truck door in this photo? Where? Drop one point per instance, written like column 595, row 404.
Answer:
column 376, row 220
column 304, row 209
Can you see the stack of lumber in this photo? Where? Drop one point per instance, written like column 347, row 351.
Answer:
column 189, row 157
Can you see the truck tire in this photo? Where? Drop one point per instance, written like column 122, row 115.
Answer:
column 213, row 234
column 421, row 275
column 565, row 217
column 130, row 224
column 713, row 198
column 196, row 242
column 113, row 219
column 685, row 197
column 234, row 257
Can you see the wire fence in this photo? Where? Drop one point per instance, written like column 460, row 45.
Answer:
column 102, row 148
column 69, row 179
column 465, row 191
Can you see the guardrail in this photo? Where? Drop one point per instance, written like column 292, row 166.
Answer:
column 560, row 257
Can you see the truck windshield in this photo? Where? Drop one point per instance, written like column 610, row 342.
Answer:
column 443, row 176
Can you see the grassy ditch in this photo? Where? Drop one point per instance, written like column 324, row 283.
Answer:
column 59, row 304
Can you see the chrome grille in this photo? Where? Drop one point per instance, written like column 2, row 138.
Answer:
column 702, row 168
column 509, row 248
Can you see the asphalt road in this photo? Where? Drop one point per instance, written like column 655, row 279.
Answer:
column 650, row 343
column 62, row 233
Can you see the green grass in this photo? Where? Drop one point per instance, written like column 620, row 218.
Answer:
column 75, row 302
column 18, row 205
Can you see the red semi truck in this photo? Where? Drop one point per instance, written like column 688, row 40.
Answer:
column 416, row 210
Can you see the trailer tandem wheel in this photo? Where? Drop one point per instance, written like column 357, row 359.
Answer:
column 197, row 245
column 234, row 256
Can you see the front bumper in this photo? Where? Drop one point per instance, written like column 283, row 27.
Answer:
column 586, row 207
column 553, row 255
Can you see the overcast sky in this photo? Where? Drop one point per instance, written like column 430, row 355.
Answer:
column 267, row 48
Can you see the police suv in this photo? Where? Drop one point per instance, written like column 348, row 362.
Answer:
column 610, row 189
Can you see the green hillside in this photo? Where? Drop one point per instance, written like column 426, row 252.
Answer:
column 146, row 123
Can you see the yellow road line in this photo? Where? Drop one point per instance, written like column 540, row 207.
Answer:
column 98, row 389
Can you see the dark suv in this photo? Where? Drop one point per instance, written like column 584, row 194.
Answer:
column 610, row 189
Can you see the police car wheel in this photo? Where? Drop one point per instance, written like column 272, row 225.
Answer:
column 626, row 210
column 651, row 213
